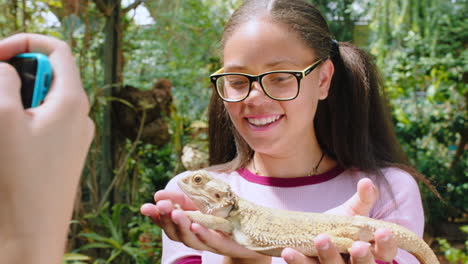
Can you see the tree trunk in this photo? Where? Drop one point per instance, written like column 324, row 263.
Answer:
column 14, row 12
column 112, row 82
column 24, row 16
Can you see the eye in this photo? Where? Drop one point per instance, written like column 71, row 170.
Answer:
column 282, row 79
column 197, row 179
column 217, row 195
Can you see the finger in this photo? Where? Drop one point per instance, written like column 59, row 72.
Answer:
column 360, row 253
column 165, row 208
column 385, row 245
column 27, row 42
column 221, row 244
column 149, row 210
column 64, row 69
column 292, row 256
column 10, row 83
column 184, row 233
column 327, row 252
column 176, row 198
column 152, row 212
column 362, row 201
column 91, row 130
column 58, row 51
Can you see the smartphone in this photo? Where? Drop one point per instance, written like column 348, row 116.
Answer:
column 35, row 72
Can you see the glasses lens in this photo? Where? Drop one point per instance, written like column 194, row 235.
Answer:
column 281, row 85
column 233, row 87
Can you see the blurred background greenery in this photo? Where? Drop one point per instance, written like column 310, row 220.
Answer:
column 145, row 64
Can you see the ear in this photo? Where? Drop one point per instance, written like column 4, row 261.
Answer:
column 325, row 76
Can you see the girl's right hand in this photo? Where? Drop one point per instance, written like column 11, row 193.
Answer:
column 179, row 227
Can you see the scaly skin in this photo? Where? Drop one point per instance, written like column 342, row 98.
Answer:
column 269, row 231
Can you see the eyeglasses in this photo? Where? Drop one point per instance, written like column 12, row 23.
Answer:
column 278, row 85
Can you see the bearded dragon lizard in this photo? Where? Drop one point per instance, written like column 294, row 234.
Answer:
column 269, row 231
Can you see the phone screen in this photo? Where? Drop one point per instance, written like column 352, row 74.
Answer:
column 27, row 68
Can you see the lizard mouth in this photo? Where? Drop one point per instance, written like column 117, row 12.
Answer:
column 201, row 201
column 209, row 206
column 206, row 204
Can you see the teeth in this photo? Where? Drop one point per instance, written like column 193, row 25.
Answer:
column 263, row 121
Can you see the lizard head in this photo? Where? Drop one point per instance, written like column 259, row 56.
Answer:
column 210, row 195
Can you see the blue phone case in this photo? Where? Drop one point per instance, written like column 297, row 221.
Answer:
column 43, row 76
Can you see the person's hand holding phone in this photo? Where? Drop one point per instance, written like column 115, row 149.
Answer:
column 42, row 153
column 35, row 72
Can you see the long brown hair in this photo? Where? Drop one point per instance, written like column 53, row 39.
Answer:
column 353, row 124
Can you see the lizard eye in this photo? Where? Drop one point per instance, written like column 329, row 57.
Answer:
column 197, row 179
column 217, row 195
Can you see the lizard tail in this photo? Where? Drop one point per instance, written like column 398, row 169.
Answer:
column 409, row 241
column 412, row 243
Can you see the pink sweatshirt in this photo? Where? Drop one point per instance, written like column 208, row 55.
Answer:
column 317, row 193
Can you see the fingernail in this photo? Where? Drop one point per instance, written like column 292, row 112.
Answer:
column 289, row 258
column 322, row 242
column 323, row 246
column 196, row 229
column 357, row 250
column 387, row 235
column 385, row 238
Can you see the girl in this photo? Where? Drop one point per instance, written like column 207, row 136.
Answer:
column 297, row 122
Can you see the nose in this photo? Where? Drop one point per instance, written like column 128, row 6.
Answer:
column 256, row 94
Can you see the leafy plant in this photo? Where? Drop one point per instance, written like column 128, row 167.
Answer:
column 421, row 53
column 120, row 235
column 75, row 258
column 454, row 255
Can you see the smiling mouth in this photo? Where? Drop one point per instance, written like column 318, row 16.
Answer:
column 264, row 121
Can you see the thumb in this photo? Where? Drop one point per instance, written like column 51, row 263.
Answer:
column 176, row 198
column 10, row 84
column 361, row 202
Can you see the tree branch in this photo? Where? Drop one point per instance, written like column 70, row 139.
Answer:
column 132, row 6
column 123, row 165
column 101, row 6
column 460, row 149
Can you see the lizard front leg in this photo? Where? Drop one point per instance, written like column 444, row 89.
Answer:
column 210, row 221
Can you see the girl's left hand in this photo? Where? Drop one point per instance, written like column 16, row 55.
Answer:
column 384, row 249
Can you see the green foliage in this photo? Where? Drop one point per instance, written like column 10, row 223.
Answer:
column 154, row 168
column 424, row 63
column 119, row 235
column 75, row 258
column 181, row 46
column 455, row 255
column 27, row 16
column 341, row 16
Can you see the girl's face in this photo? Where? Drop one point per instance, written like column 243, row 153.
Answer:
column 273, row 127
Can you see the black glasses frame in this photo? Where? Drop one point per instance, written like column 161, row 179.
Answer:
column 258, row 78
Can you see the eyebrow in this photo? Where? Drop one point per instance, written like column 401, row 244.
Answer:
column 238, row 67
